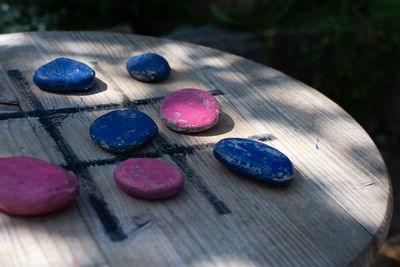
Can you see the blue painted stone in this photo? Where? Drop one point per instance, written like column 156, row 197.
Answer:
column 123, row 130
column 255, row 159
column 63, row 75
column 148, row 67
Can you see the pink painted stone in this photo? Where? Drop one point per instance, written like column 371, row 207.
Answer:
column 148, row 178
column 190, row 111
column 30, row 186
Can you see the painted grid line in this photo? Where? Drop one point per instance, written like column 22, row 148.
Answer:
column 109, row 221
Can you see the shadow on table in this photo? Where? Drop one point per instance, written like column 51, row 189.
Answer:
column 225, row 125
column 292, row 215
column 98, row 87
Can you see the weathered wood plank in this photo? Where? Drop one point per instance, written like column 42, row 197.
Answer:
column 8, row 101
column 337, row 211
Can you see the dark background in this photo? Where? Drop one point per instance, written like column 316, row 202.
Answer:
column 348, row 50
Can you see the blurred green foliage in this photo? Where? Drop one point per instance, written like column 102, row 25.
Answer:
column 151, row 17
column 349, row 50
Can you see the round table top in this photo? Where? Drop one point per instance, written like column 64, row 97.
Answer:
column 336, row 212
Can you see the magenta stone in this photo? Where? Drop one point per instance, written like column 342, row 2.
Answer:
column 190, row 111
column 30, row 186
column 148, row 178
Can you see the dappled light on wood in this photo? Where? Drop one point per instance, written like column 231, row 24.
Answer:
column 336, row 211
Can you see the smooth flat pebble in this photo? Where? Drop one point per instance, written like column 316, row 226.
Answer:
column 123, row 130
column 64, row 75
column 148, row 67
column 255, row 159
column 149, row 178
column 30, row 186
column 190, row 110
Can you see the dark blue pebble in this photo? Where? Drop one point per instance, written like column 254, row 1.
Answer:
column 148, row 67
column 63, row 75
column 255, row 159
column 123, row 130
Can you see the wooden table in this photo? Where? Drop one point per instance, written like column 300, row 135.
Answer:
column 336, row 212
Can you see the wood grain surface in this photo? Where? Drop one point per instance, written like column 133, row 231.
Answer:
column 337, row 211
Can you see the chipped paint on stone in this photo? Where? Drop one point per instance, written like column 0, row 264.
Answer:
column 63, row 75
column 149, row 178
column 190, row 110
column 255, row 159
column 148, row 67
column 123, row 130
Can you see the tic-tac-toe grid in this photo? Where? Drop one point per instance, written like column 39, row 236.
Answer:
column 79, row 167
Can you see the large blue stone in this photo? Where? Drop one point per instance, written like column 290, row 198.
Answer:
column 123, row 130
column 255, row 159
column 63, row 75
column 148, row 67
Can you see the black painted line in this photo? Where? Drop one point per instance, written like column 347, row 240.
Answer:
column 203, row 189
column 171, row 150
column 12, row 115
column 22, row 83
column 109, row 221
column 90, row 108
column 167, row 149
column 43, row 112
column 179, row 159
column 109, row 161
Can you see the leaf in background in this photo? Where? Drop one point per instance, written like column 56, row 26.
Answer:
column 221, row 15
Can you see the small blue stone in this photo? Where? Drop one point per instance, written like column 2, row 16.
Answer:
column 255, row 159
column 63, row 75
column 148, row 67
column 123, row 130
